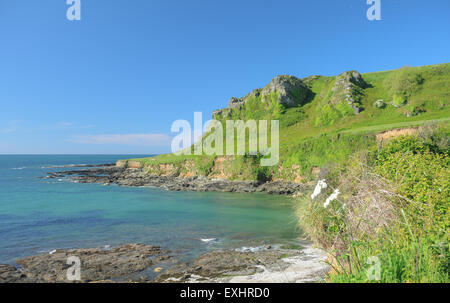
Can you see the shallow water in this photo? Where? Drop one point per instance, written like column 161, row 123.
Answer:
column 39, row 215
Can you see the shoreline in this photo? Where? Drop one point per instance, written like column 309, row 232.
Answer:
column 107, row 174
column 147, row 264
column 141, row 263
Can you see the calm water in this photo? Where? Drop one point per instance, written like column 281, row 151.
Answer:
column 39, row 215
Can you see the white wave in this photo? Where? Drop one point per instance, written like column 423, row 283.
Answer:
column 62, row 166
column 250, row 248
column 18, row 168
column 207, row 240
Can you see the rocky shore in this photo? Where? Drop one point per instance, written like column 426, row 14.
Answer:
column 109, row 174
column 145, row 263
column 118, row 264
column 304, row 264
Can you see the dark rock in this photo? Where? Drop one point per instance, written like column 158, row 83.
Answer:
column 11, row 274
column 235, row 102
column 120, row 263
column 137, row 177
column 291, row 90
column 218, row 264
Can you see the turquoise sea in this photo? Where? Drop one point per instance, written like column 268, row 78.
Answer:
column 39, row 215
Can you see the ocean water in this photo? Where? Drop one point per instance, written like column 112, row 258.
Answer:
column 39, row 215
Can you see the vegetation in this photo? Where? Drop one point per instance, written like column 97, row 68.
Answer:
column 393, row 205
column 321, row 131
column 391, row 195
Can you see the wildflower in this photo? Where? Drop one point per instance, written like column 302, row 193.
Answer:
column 333, row 196
column 321, row 184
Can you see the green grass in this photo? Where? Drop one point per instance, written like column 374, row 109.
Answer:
column 323, row 132
column 425, row 91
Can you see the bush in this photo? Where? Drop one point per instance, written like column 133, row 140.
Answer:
column 393, row 205
column 398, row 100
column 406, row 81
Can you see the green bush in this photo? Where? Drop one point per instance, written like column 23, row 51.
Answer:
column 398, row 100
column 394, row 205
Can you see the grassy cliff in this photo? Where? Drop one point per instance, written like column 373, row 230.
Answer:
column 323, row 120
column 379, row 141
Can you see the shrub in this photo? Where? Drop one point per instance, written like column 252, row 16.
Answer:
column 398, row 100
column 393, row 205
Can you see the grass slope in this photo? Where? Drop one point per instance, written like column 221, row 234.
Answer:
column 317, row 133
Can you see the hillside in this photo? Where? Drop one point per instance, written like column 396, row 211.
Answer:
column 323, row 120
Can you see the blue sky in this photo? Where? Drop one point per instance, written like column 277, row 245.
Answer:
column 116, row 80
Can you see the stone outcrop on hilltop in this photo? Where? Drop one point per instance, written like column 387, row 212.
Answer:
column 289, row 90
column 348, row 88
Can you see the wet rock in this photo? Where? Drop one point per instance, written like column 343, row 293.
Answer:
column 122, row 263
column 11, row 274
column 217, row 264
column 137, row 177
column 269, row 265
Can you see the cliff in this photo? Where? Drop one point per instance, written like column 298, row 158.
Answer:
column 323, row 120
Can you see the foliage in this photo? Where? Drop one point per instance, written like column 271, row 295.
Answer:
column 394, row 205
column 398, row 99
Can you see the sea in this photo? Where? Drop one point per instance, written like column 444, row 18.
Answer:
column 38, row 215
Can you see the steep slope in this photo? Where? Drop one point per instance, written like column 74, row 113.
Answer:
column 323, row 120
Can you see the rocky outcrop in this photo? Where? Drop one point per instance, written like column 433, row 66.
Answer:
column 235, row 102
column 348, row 88
column 129, row 164
column 379, row 104
column 11, row 274
column 139, row 177
column 147, row 263
column 122, row 263
column 266, row 264
column 289, row 91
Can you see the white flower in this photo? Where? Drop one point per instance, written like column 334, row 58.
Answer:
column 333, row 196
column 321, row 184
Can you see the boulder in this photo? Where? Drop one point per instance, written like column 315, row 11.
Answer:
column 379, row 104
column 348, row 87
column 235, row 102
column 291, row 90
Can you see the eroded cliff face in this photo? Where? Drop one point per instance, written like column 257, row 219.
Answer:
column 238, row 168
column 220, row 167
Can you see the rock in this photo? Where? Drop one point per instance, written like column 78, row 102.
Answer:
column 228, row 265
column 11, row 274
column 138, row 177
column 97, row 264
column 379, row 104
column 291, row 90
column 353, row 77
column 235, row 102
column 348, row 87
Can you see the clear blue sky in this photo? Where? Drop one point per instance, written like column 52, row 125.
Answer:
column 116, row 80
